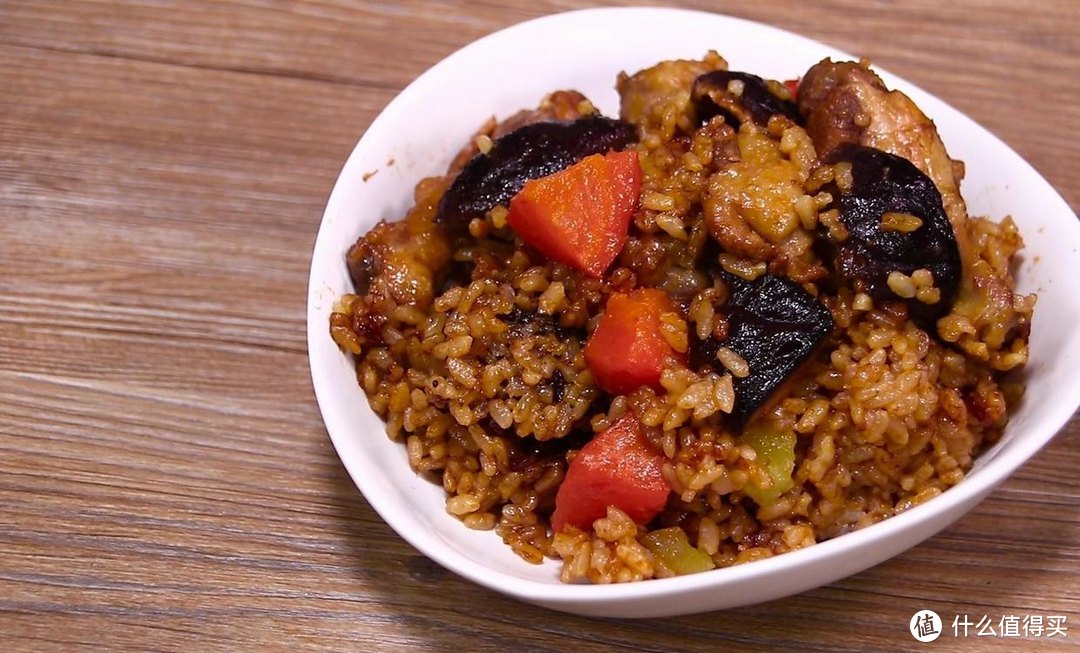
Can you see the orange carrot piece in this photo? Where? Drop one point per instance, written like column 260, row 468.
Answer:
column 627, row 349
column 579, row 216
column 618, row 467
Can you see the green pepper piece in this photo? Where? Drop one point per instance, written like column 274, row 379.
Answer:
column 671, row 546
column 776, row 453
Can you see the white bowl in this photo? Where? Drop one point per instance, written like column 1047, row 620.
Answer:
column 418, row 133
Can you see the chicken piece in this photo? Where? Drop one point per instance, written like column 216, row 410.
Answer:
column 657, row 99
column 560, row 105
column 749, row 203
column 398, row 263
column 728, row 228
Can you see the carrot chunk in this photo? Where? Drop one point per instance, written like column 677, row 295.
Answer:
column 579, row 216
column 618, row 467
column 628, row 349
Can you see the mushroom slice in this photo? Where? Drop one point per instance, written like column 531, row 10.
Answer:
column 740, row 97
column 775, row 326
column 895, row 227
column 529, row 152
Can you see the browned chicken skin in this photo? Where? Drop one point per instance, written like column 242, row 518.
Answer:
column 396, row 263
column 657, row 99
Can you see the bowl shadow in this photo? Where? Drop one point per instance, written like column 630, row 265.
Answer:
column 983, row 565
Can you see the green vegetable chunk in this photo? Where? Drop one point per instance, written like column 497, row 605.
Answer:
column 776, row 453
column 671, row 547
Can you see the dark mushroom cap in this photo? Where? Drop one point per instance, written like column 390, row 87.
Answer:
column 775, row 326
column 712, row 95
column 885, row 183
column 529, row 152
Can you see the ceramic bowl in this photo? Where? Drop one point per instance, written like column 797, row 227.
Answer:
column 418, row 133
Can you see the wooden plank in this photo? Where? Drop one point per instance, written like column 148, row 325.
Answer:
column 167, row 483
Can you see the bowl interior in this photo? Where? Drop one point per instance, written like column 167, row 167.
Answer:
column 425, row 125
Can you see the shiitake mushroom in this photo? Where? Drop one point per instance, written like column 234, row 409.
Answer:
column 774, row 325
column 887, row 188
column 740, row 97
column 535, row 150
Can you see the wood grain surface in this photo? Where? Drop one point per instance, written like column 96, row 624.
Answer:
column 165, row 479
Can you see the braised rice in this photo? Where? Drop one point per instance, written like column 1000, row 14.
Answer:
column 471, row 349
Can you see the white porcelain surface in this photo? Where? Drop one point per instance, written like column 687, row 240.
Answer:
column 418, row 133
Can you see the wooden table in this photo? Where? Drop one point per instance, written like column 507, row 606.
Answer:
column 166, row 481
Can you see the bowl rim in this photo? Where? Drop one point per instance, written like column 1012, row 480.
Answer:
column 555, row 594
